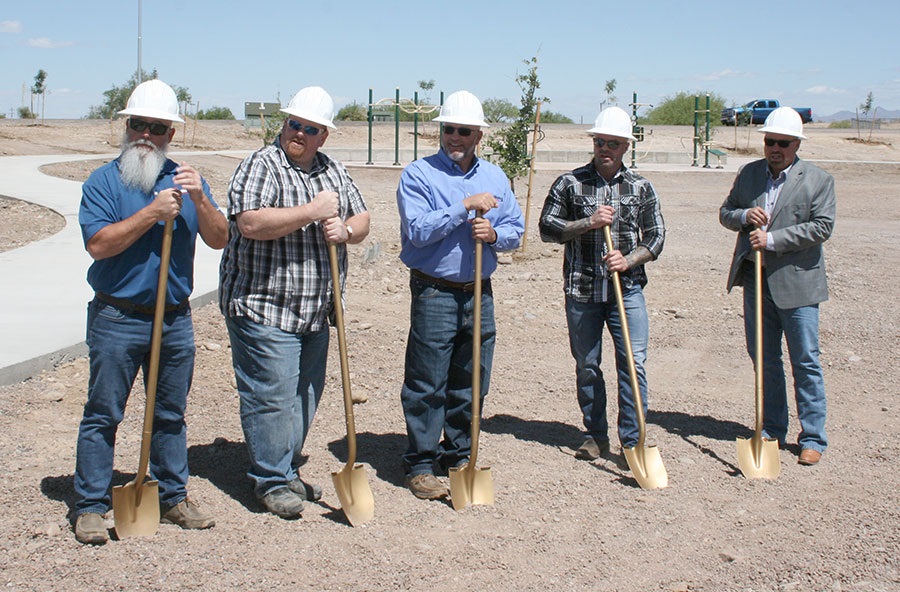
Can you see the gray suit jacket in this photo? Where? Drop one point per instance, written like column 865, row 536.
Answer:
column 802, row 220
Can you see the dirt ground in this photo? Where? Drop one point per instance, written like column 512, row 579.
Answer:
column 558, row 523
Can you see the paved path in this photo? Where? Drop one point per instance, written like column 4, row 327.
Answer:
column 45, row 294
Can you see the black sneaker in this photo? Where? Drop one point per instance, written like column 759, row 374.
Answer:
column 283, row 502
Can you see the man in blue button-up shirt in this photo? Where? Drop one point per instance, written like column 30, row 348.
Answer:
column 447, row 201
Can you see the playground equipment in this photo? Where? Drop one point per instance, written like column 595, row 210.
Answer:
column 408, row 106
column 701, row 142
column 637, row 130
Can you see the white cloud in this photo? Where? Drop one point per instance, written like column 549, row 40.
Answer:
column 10, row 27
column 726, row 73
column 45, row 43
column 821, row 89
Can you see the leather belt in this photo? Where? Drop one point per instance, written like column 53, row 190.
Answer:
column 462, row 286
column 129, row 306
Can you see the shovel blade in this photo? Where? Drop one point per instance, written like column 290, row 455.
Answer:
column 764, row 464
column 471, row 486
column 647, row 467
column 136, row 509
column 352, row 487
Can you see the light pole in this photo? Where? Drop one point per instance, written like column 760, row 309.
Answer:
column 140, row 72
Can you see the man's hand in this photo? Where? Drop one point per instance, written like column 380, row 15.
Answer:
column 324, row 205
column 190, row 181
column 483, row 231
column 758, row 239
column 757, row 217
column 602, row 217
column 480, row 202
column 167, row 204
column 335, row 230
column 615, row 261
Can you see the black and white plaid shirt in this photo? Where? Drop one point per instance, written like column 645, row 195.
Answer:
column 286, row 282
column 638, row 221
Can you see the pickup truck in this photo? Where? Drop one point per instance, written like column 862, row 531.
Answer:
column 756, row 111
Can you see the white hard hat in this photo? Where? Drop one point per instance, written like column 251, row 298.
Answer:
column 463, row 108
column 154, row 99
column 613, row 121
column 312, row 104
column 784, row 121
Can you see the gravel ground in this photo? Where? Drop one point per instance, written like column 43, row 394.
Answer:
column 557, row 522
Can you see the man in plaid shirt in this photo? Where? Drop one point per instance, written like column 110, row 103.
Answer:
column 579, row 204
column 285, row 203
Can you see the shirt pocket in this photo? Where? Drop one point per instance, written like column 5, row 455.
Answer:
column 584, row 205
column 629, row 210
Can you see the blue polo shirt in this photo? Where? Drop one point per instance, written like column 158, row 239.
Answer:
column 134, row 273
column 435, row 236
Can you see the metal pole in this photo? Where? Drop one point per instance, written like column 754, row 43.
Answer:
column 633, row 124
column 416, row 126
column 397, row 128
column 140, row 72
column 370, row 127
column 696, row 128
column 706, row 166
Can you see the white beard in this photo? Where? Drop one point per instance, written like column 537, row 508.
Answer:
column 139, row 166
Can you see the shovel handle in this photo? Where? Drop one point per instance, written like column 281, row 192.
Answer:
column 476, row 353
column 159, row 313
column 758, row 343
column 342, row 348
column 626, row 337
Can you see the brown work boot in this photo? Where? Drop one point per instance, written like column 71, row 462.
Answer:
column 90, row 529
column 590, row 449
column 187, row 514
column 427, row 486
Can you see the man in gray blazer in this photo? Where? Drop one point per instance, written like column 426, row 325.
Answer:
column 784, row 207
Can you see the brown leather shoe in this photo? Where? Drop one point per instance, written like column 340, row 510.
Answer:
column 427, row 486
column 809, row 457
column 590, row 449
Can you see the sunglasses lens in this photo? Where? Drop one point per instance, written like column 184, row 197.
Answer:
column 465, row 132
column 139, row 125
column 781, row 143
column 306, row 129
column 600, row 143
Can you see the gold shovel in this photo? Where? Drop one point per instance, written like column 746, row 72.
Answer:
column 351, row 483
column 136, row 504
column 469, row 485
column 644, row 461
column 758, row 456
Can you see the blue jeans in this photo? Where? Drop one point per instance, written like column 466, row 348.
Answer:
column 437, row 384
column 280, row 378
column 800, row 327
column 119, row 345
column 586, row 320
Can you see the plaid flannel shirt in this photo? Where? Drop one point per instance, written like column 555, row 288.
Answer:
column 284, row 282
column 638, row 222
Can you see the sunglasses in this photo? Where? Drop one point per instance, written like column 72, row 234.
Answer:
column 139, row 125
column 309, row 130
column 613, row 144
column 781, row 143
column 465, row 132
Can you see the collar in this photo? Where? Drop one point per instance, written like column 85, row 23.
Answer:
column 319, row 160
column 451, row 164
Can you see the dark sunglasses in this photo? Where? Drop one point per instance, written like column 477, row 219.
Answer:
column 309, row 130
column 613, row 144
column 781, row 143
column 465, row 132
column 139, row 125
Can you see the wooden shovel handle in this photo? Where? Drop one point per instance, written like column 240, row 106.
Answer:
column 342, row 347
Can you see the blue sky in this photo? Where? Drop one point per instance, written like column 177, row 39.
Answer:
column 824, row 54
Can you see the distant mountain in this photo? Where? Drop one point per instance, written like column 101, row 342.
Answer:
column 844, row 115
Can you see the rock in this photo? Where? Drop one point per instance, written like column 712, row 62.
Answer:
column 212, row 346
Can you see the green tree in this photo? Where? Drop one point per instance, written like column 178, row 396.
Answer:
column 510, row 143
column 39, row 89
column 116, row 97
column 609, row 88
column 679, row 110
column 184, row 98
column 499, row 110
column 552, row 117
column 352, row 112
column 426, row 86
column 219, row 113
column 866, row 106
column 26, row 113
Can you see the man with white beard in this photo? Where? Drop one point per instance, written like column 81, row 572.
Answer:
column 124, row 207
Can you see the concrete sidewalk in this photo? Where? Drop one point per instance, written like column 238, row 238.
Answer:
column 45, row 293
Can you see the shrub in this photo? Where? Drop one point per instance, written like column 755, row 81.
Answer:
column 216, row 113
column 679, row 110
column 352, row 112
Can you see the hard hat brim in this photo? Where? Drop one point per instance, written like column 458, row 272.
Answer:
column 461, row 120
column 605, row 131
column 774, row 129
column 152, row 114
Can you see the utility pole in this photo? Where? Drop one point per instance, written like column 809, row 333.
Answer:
column 139, row 70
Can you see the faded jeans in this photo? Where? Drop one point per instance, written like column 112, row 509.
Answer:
column 280, row 378
column 585, row 321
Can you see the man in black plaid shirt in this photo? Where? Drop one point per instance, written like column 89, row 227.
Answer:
column 580, row 203
column 285, row 203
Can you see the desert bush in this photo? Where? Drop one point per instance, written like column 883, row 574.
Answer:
column 842, row 124
column 352, row 112
column 552, row 117
column 216, row 113
column 679, row 110
column 26, row 113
